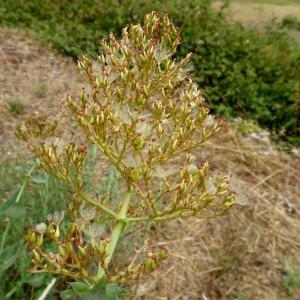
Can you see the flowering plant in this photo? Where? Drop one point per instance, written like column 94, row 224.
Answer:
column 145, row 114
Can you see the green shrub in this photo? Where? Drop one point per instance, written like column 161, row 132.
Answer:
column 41, row 91
column 16, row 107
column 290, row 22
column 291, row 278
column 242, row 71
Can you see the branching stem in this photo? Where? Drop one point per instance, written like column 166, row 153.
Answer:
column 120, row 225
column 98, row 205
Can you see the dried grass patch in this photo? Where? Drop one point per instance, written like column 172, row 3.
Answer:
column 240, row 255
column 33, row 75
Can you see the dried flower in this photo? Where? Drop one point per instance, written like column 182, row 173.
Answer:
column 145, row 114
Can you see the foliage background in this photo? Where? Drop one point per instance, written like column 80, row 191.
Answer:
column 243, row 72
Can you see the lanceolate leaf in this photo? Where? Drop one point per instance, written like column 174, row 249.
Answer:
column 102, row 291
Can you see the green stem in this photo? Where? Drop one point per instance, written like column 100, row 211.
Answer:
column 27, row 176
column 99, row 205
column 120, row 225
column 156, row 218
column 5, row 235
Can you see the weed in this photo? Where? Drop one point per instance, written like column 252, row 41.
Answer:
column 21, row 207
column 228, row 261
column 16, row 107
column 41, row 90
column 290, row 22
column 291, row 278
column 143, row 113
column 248, row 126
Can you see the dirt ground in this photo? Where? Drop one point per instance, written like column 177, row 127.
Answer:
column 246, row 254
column 259, row 13
column 33, row 76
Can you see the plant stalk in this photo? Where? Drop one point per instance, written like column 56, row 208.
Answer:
column 27, row 176
column 120, row 225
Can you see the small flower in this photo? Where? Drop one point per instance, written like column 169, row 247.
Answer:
column 56, row 217
column 210, row 186
column 41, row 228
column 237, row 187
column 87, row 213
column 80, row 223
column 210, row 121
column 191, row 168
column 94, row 230
column 165, row 171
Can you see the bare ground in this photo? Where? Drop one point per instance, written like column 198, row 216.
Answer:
column 33, row 75
column 242, row 255
column 259, row 14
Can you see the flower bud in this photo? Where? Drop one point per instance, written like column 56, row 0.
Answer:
column 183, row 185
column 32, row 237
column 71, row 229
column 162, row 254
column 150, row 264
column 39, row 241
column 139, row 143
column 57, row 233
column 160, row 129
column 62, row 251
column 69, row 248
column 36, row 257
column 82, row 251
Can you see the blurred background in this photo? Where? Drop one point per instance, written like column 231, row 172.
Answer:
column 246, row 59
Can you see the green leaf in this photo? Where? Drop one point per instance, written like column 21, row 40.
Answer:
column 114, row 292
column 40, row 179
column 68, row 295
column 37, row 280
column 7, row 263
column 13, row 212
column 101, row 291
column 10, row 201
column 80, row 287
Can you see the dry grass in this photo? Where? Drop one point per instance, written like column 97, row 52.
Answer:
column 34, row 76
column 241, row 255
column 260, row 13
column 238, row 256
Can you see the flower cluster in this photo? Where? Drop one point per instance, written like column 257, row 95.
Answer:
column 145, row 114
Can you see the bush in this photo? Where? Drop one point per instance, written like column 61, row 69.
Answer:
column 242, row 71
column 290, row 22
